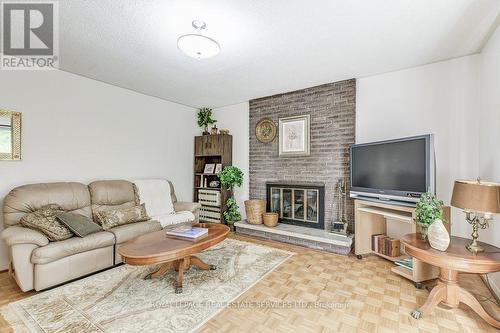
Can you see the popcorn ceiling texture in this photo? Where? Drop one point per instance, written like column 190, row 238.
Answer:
column 332, row 108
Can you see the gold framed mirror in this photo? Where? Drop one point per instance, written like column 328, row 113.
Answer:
column 10, row 135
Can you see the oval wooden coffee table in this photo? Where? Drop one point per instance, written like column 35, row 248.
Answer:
column 158, row 248
column 450, row 262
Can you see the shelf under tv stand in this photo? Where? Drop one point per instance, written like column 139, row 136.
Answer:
column 375, row 217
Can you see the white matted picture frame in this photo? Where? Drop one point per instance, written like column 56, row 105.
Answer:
column 218, row 168
column 209, row 168
column 295, row 136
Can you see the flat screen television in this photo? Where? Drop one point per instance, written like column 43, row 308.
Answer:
column 399, row 170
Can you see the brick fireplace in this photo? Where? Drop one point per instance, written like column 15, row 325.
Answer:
column 332, row 110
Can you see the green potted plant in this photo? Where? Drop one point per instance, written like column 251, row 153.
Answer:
column 429, row 209
column 231, row 214
column 205, row 119
column 231, row 177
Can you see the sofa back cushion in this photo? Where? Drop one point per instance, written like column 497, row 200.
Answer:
column 111, row 194
column 72, row 197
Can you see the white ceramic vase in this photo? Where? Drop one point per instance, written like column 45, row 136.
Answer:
column 438, row 236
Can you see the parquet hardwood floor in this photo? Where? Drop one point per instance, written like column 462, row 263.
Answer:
column 342, row 294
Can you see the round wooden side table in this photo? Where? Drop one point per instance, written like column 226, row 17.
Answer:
column 450, row 262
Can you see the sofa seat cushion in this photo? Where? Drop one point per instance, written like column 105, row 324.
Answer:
column 57, row 250
column 177, row 218
column 127, row 232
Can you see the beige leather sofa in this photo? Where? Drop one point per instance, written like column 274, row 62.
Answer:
column 37, row 263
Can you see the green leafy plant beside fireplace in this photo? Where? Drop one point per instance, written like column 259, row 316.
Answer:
column 231, row 177
column 231, row 214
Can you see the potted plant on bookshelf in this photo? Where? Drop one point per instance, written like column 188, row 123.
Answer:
column 231, row 177
column 205, row 119
column 428, row 210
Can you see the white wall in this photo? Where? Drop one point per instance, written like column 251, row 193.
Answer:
column 79, row 129
column 440, row 98
column 235, row 118
column 489, row 140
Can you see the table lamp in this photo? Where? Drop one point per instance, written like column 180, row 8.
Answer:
column 479, row 200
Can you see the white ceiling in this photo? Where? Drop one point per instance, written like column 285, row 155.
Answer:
column 268, row 46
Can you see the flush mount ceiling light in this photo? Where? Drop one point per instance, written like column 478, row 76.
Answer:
column 196, row 45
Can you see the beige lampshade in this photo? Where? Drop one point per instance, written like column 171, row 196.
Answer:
column 476, row 196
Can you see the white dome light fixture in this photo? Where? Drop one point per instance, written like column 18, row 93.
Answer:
column 196, row 45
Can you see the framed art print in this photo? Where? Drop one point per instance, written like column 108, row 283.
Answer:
column 294, row 136
column 209, row 168
column 218, row 168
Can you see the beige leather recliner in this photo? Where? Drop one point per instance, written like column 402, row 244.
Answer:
column 37, row 263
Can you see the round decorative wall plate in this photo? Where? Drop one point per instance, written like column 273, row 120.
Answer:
column 265, row 131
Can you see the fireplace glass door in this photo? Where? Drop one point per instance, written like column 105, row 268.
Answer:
column 295, row 204
column 298, row 204
column 312, row 205
column 276, row 201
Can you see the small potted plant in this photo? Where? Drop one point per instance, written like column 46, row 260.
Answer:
column 231, row 177
column 429, row 209
column 205, row 119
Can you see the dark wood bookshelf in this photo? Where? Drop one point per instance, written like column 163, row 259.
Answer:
column 211, row 149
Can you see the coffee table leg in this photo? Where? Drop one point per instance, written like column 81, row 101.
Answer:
column 201, row 264
column 162, row 270
column 182, row 265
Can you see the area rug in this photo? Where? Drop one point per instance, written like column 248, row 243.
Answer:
column 120, row 300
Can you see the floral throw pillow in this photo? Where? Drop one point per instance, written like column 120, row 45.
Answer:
column 45, row 221
column 115, row 217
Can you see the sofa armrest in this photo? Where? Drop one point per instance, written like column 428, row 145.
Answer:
column 189, row 206
column 19, row 235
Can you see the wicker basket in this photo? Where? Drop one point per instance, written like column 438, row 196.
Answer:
column 270, row 219
column 254, row 210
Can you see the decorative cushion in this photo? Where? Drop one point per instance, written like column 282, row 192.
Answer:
column 80, row 225
column 44, row 220
column 114, row 217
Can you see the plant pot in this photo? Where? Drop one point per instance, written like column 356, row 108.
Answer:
column 206, row 133
column 254, row 210
column 230, row 224
column 270, row 219
column 423, row 231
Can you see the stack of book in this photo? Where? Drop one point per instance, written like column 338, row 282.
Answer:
column 406, row 262
column 386, row 245
column 190, row 233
